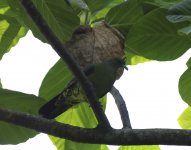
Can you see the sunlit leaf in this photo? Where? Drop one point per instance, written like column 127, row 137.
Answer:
column 83, row 116
column 144, row 147
column 3, row 6
column 80, row 146
column 12, row 134
column 10, row 33
column 185, row 119
column 154, row 37
column 132, row 59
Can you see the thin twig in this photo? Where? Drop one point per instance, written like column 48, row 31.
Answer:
column 96, row 136
column 121, row 107
column 63, row 53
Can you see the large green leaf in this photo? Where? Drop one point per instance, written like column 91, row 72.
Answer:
column 55, row 80
column 10, row 33
column 97, row 5
column 144, row 147
column 12, row 134
column 102, row 13
column 180, row 12
column 185, row 119
column 59, row 16
column 123, row 16
column 77, row 5
column 79, row 146
column 10, row 29
column 164, row 3
column 3, row 4
column 83, row 116
column 154, row 37
column 185, row 86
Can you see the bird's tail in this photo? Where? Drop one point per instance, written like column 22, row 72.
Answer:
column 54, row 107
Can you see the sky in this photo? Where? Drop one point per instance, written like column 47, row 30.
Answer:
column 150, row 89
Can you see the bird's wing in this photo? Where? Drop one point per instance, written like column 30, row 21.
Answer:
column 87, row 70
column 73, row 84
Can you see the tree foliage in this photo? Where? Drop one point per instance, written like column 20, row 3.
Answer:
column 153, row 30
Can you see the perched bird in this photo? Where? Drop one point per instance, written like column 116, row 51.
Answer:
column 102, row 75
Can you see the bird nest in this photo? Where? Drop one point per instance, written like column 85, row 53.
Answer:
column 93, row 45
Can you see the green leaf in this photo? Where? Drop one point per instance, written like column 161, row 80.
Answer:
column 185, row 119
column 12, row 134
column 3, row 3
column 59, row 16
column 97, row 5
column 148, row 7
column 55, row 80
column 77, row 5
column 24, row 19
column 189, row 62
column 154, row 37
column 0, row 84
column 180, row 12
column 61, row 19
column 83, row 116
column 185, row 86
column 102, row 13
column 3, row 6
column 132, row 59
column 79, row 146
column 10, row 33
column 164, row 3
column 10, row 29
column 185, row 30
column 123, row 16
column 144, row 147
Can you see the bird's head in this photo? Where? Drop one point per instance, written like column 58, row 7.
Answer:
column 118, row 63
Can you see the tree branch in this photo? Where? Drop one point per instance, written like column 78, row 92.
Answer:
column 97, row 136
column 121, row 107
column 63, row 53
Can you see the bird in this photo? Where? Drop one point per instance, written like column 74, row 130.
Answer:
column 101, row 75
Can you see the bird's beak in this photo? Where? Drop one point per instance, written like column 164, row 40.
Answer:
column 125, row 67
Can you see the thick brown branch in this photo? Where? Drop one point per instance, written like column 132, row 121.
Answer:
column 96, row 136
column 63, row 53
